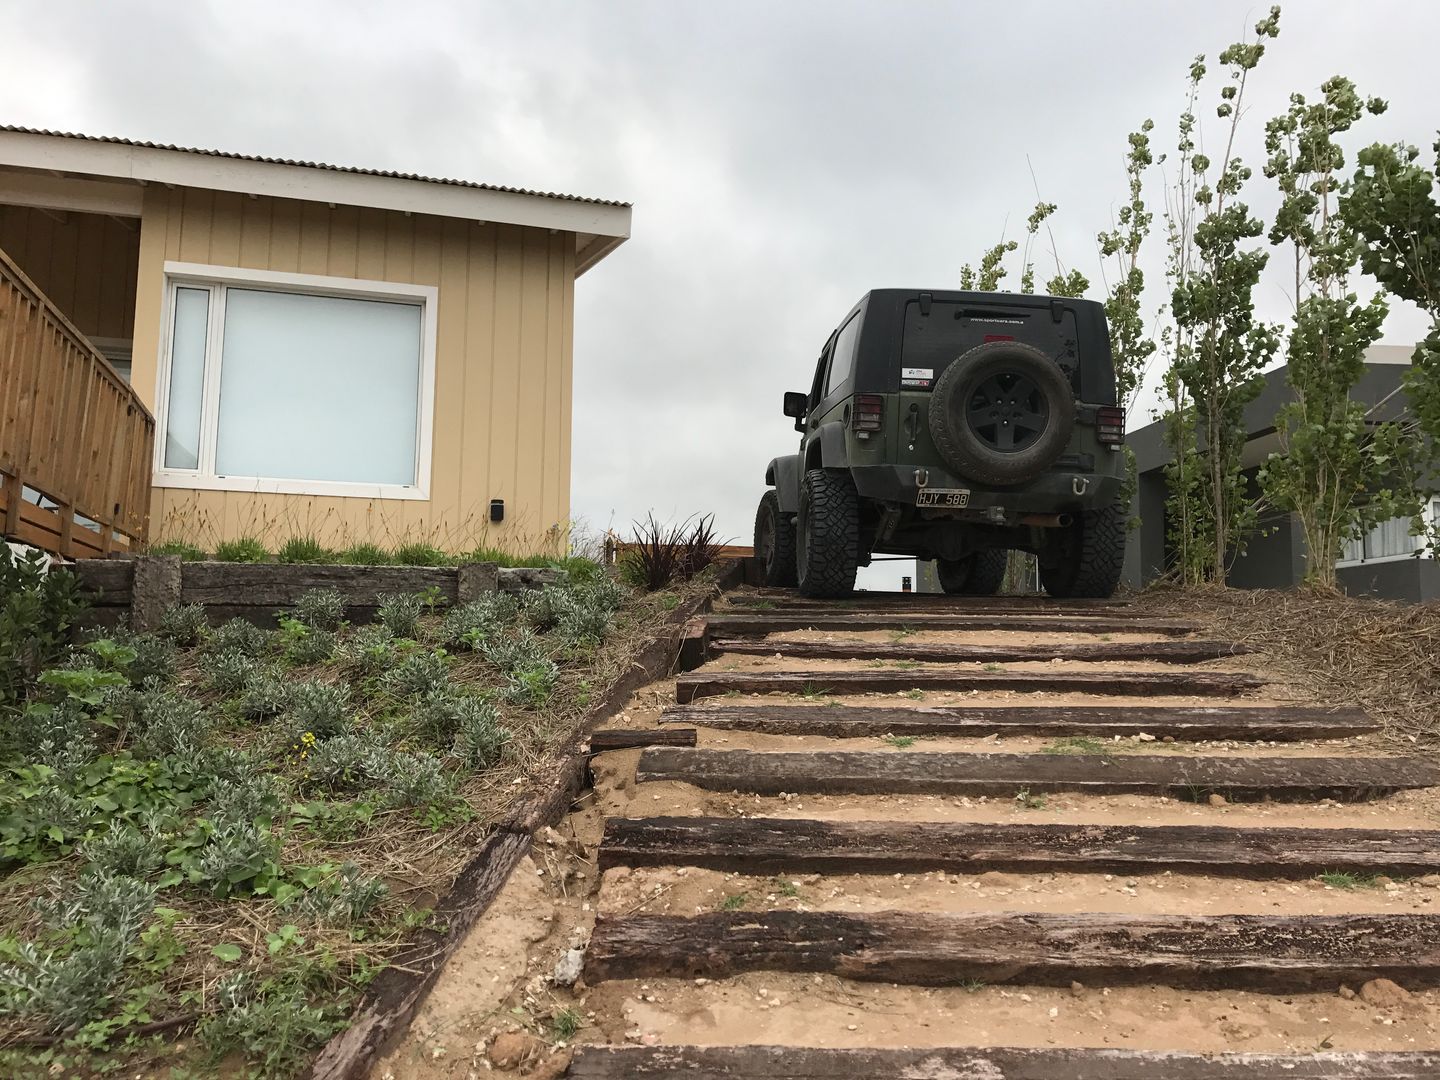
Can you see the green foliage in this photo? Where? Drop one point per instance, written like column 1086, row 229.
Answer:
column 37, row 612
column 1218, row 350
column 1130, row 344
column 246, row 550
column 126, row 849
column 184, row 625
column 531, row 684
column 347, row 898
column 322, row 709
column 321, row 609
column 299, row 644
column 368, row 650
column 238, row 635
column 420, row 555
column 422, row 672
column 400, row 614
column 273, row 1023
column 1339, row 473
column 188, row 552
column 363, row 555
column 171, row 723
column 663, row 553
column 470, row 625
column 992, row 268
column 479, row 738
column 304, row 549
column 266, row 695
column 227, row 672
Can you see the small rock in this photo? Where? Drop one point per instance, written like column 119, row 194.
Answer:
column 649, row 1039
column 567, row 968
column 552, row 1068
column 1217, row 799
column 996, row 879
column 1346, row 993
column 1077, row 989
column 1145, row 736
column 1382, row 879
column 1169, row 738
column 511, row 1049
column 1384, row 994
column 1430, row 881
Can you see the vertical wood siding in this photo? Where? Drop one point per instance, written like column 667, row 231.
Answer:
column 85, row 263
column 502, row 372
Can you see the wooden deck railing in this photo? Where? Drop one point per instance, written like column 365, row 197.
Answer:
column 70, row 428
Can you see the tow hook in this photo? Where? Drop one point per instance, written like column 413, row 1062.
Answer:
column 1079, row 484
column 922, row 477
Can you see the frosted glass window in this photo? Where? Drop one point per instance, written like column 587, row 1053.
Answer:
column 318, row 388
column 187, row 378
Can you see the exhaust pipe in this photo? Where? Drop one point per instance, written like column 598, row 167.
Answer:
column 1047, row 521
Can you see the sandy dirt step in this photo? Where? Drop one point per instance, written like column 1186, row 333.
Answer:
column 1190, row 723
column 799, row 846
column 774, row 622
column 1276, row 953
column 1182, row 651
column 792, row 1063
column 903, row 771
column 715, row 682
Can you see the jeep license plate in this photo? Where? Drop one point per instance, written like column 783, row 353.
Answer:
column 942, row 497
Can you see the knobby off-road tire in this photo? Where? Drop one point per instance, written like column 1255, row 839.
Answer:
column 827, row 534
column 978, row 574
column 775, row 543
column 1002, row 413
column 1092, row 556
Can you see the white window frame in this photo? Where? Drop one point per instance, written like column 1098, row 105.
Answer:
column 1422, row 551
column 204, row 478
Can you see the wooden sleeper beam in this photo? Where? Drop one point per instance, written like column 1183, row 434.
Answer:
column 1170, row 652
column 776, row 622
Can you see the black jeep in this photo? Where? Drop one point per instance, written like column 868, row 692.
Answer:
column 953, row 426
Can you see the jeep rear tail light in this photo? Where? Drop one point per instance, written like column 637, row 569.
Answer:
column 867, row 413
column 1110, row 424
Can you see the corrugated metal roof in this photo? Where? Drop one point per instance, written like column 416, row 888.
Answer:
column 310, row 165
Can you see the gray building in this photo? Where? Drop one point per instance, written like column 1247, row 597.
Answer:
column 1387, row 562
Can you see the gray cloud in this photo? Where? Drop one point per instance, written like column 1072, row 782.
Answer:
column 783, row 157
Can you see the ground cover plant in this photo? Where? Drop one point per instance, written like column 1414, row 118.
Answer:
column 229, row 831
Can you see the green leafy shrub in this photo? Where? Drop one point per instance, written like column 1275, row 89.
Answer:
column 266, row 695
column 531, row 683
column 37, row 613
column 172, row 724
column 321, row 609
column 346, row 763
column 235, row 857
column 416, row 780
column 225, row 763
column 188, row 552
column 184, row 624
column 238, row 635
column 303, row 549
column 479, row 738
column 247, row 550
column 420, row 555
column 363, row 555
column 545, row 608
column 273, row 1024
column 369, row 650
column 126, row 849
column 422, row 672
column 470, row 625
column 400, row 614
column 344, row 900
column 227, row 672
column 153, row 661
column 247, row 799
column 59, row 734
column 441, row 713
column 519, row 649
column 300, row 645
column 585, row 625
column 322, row 709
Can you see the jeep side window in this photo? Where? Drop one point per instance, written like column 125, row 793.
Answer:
column 842, row 356
column 817, row 387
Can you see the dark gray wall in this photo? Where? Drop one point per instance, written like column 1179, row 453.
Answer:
column 1416, row 580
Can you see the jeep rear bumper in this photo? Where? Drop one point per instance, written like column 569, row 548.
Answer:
column 1056, row 492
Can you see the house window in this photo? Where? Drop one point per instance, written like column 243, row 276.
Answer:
column 1389, row 540
column 291, row 383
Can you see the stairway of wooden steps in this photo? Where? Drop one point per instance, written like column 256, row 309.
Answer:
column 1182, row 683
column 1186, row 723
column 756, row 845
column 1184, row 651
column 973, row 1063
column 1286, row 953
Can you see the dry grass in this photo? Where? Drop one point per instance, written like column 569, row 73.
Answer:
column 1381, row 655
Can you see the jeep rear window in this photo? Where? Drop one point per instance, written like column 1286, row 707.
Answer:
column 933, row 341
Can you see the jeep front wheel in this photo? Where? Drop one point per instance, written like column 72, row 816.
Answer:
column 827, row 534
column 775, row 543
column 978, row 574
column 1091, row 556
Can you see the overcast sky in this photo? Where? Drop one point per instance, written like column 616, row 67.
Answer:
column 783, row 157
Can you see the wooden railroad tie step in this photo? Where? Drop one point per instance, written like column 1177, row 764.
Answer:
column 629, row 738
column 986, row 1063
column 946, row 773
column 777, row 622
column 786, row 845
column 698, row 684
column 1279, row 723
column 926, row 602
column 1278, row 953
column 1170, row 652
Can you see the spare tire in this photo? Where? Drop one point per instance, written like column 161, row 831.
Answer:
column 1002, row 413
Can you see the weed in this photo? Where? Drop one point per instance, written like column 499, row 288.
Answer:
column 273, row 1023
column 1077, row 744
column 421, row 555
column 363, row 555
column 734, row 901
column 246, row 550
column 400, row 614
column 993, row 667
column 814, row 692
column 899, row 742
column 344, row 900
column 1347, row 881
column 1027, row 801
column 300, row 645
column 907, row 665
column 531, row 683
column 321, row 609
column 972, row 986
column 238, row 635
column 188, row 552
column 368, row 651
column 564, row 1024
column 901, row 633
column 303, row 549
column 37, row 613
column 915, row 695
column 184, row 624
column 786, row 888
